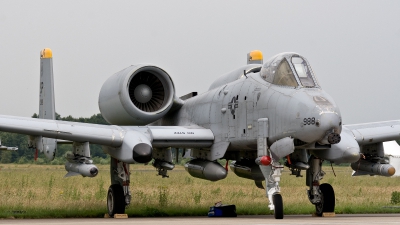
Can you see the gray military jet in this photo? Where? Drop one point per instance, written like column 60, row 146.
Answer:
column 260, row 116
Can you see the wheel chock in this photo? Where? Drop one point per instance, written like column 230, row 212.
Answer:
column 121, row 216
column 117, row 216
column 325, row 214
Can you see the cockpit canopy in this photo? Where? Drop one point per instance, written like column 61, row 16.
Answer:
column 289, row 69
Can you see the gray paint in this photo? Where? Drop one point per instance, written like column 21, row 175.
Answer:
column 243, row 113
column 115, row 102
column 46, row 95
column 226, row 115
column 47, row 105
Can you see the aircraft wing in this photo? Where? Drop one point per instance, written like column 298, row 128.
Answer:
column 369, row 133
column 108, row 135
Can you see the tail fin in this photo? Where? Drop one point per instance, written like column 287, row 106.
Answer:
column 46, row 99
column 46, row 104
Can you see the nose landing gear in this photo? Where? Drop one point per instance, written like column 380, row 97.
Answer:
column 272, row 174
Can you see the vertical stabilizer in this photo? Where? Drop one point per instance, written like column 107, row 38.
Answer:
column 46, row 99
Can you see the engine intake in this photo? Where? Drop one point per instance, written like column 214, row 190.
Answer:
column 137, row 95
column 147, row 92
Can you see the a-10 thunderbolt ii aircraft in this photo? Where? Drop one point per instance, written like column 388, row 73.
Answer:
column 257, row 116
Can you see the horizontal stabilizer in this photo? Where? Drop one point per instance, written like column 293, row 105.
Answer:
column 70, row 174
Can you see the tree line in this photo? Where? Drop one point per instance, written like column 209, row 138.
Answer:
column 26, row 155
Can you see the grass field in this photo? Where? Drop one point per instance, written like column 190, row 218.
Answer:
column 33, row 191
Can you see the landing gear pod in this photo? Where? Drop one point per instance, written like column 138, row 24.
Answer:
column 207, row 170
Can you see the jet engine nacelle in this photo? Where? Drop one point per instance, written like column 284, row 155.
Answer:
column 137, row 95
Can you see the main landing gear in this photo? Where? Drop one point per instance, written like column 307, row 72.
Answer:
column 119, row 195
column 322, row 196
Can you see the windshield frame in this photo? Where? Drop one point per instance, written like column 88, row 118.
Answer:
column 268, row 70
column 310, row 73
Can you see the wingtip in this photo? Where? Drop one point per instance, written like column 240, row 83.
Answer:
column 46, row 53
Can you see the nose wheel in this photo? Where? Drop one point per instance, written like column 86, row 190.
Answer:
column 272, row 174
column 278, row 203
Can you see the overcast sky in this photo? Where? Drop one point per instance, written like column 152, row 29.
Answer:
column 353, row 47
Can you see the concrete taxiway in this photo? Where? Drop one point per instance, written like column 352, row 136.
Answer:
column 358, row 219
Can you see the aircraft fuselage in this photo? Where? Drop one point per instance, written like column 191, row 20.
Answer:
column 231, row 111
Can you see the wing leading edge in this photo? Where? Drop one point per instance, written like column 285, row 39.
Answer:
column 108, row 135
column 369, row 133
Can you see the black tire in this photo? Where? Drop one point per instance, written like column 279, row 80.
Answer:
column 327, row 203
column 278, row 203
column 115, row 200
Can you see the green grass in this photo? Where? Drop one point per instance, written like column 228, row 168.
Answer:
column 40, row 191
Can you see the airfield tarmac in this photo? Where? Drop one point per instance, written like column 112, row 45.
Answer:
column 353, row 219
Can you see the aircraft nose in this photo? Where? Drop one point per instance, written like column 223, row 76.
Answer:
column 331, row 124
column 330, row 120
